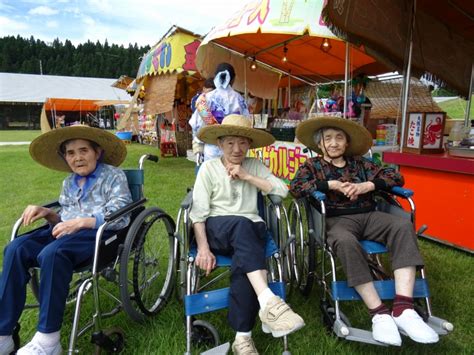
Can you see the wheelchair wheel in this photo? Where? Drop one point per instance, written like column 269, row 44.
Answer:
column 304, row 250
column 329, row 316
column 114, row 342
column 147, row 264
column 204, row 334
column 280, row 231
column 77, row 279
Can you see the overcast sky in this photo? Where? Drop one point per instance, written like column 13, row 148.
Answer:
column 119, row 21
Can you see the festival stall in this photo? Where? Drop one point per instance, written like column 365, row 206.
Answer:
column 439, row 38
column 166, row 81
column 59, row 112
column 291, row 38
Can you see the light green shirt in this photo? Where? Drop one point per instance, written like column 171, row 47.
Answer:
column 216, row 194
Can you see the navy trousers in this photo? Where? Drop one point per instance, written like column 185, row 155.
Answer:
column 245, row 241
column 56, row 259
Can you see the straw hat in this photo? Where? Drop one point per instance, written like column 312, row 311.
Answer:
column 45, row 148
column 235, row 125
column 360, row 137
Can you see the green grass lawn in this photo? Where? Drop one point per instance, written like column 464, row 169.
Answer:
column 450, row 271
column 456, row 108
column 19, row 136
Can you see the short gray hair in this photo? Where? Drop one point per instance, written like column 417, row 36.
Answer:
column 318, row 135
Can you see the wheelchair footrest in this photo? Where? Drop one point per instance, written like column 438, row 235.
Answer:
column 218, row 350
column 361, row 336
column 209, row 301
column 440, row 326
column 340, row 291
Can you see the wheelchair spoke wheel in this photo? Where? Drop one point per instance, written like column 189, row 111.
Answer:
column 114, row 342
column 329, row 316
column 204, row 334
column 278, row 226
column 147, row 264
column 301, row 225
column 184, row 234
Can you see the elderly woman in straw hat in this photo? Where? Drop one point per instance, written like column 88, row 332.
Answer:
column 95, row 187
column 226, row 221
column 349, row 180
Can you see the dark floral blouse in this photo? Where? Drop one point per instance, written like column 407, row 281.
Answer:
column 315, row 173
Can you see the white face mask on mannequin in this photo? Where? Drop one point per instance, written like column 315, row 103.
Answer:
column 222, row 79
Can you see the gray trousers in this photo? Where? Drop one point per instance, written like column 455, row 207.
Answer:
column 396, row 233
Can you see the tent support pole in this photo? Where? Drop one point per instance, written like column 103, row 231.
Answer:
column 346, row 78
column 407, row 76
column 289, row 89
column 469, row 99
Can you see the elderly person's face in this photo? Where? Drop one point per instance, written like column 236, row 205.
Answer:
column 81, row 156
column 333, row 143
column 234, row 148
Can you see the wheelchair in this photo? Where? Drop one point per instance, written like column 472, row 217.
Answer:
column 201, row 295
column 137, row 258
column 315, row 262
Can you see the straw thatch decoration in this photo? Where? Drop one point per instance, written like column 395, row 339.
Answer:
column 386, row 98
column 160, row 92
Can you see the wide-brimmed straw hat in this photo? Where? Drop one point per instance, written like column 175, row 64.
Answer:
column 235, row 125
column 360, row 139
column 45, row 148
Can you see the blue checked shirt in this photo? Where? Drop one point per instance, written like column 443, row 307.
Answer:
column 105, row 191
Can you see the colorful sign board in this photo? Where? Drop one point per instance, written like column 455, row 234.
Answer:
column 424, row 132
column 175, row 53
column 283, row 158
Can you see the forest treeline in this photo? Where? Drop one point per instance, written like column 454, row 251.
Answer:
column 30, row 56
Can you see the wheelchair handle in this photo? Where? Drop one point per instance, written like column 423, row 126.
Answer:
column 400, row 191
column 146, row 157
column 318, row 195
column 153, row 158
column 275, row 199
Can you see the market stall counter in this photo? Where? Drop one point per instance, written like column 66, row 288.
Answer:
column 444, row 195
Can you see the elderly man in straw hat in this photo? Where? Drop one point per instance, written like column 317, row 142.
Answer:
column 95, row 188
column 349, row 181
column 226, row 221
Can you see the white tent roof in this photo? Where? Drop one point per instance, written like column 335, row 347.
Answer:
column 37, row 88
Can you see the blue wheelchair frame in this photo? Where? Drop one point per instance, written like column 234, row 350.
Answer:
column 196, row 299
column 312, row 243
column 117, row 251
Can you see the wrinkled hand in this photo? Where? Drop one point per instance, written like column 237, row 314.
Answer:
column 237, row 172
column 352, row 191
column 32, row 213
column 205, row 260
column 68, row 227
column 336, row 185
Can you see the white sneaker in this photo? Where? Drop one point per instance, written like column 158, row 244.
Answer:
column 385, row 330
column 7, row 347
column 411, row 324
column 244, row 345
column 33, row 348
column 279, row 319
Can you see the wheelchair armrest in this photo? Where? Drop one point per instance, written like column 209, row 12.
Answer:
column 401, row 192
column 19, row 221
column 51, row 204
column 188, row 200
column 275, row 199
column 124, row 210
column 318, row 195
